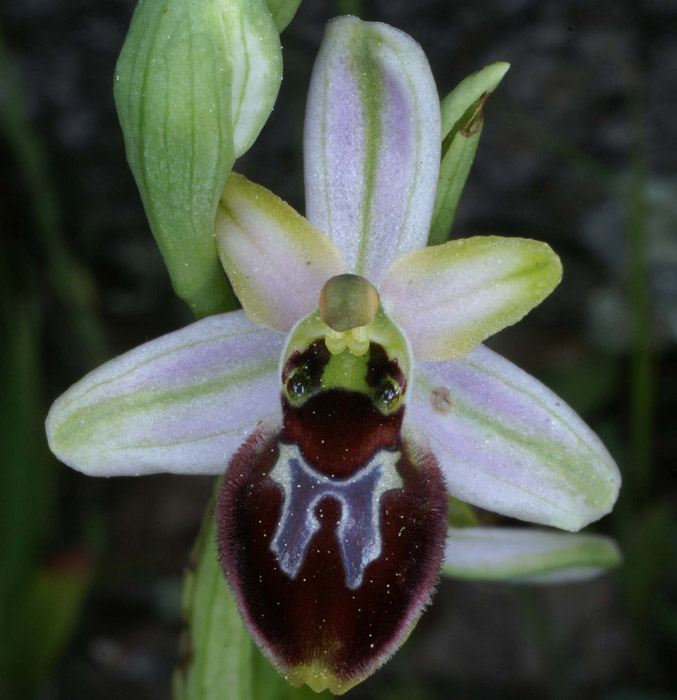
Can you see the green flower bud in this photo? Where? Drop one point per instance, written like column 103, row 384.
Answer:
column 194, row 85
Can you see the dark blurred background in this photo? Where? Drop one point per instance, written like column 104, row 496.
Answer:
column 579, row 149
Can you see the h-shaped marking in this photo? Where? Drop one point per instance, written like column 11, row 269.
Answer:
column 359, row 532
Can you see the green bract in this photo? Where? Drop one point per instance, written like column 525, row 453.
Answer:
column 217, row 656
column 462, row 122
column 194, row 84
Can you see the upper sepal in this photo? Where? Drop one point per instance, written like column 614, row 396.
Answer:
column 181, row 403
column 371, row 144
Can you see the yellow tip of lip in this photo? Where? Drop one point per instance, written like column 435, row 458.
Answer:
column 318, row 678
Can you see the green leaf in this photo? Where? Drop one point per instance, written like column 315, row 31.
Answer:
column 26, row 496
column 454, row 170
column 194, row 84
column 218, row 658
column 462, row 120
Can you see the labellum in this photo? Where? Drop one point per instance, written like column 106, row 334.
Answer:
column 331, row 531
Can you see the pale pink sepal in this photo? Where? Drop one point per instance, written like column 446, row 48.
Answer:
column 508, row 444
column 182, row 403
column 527, row 555
column 371, row 144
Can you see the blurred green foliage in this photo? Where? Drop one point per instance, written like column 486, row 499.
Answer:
column 40, row 596
column 644, row 521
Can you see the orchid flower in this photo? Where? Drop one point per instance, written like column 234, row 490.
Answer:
column 350, row 400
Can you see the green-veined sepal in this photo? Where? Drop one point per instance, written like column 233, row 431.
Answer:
column 525, row 555
column 181, row 403
column 508, row 444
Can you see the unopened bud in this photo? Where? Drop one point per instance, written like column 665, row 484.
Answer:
column 194, row 84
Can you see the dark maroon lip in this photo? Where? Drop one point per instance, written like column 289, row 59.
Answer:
column 315, row 619
column 338, row 430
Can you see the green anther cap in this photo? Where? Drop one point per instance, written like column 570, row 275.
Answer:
column 348, row 301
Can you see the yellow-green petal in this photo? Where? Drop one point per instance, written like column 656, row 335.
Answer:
column 276, row 260
column 449, row 298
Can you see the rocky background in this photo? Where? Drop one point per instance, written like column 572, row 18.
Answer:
column 579, row 149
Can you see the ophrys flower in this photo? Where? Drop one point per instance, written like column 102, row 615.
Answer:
column 351, row 396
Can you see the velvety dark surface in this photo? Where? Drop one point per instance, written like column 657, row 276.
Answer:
column 338, row 431
column 308, row 366
column 314, row 618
